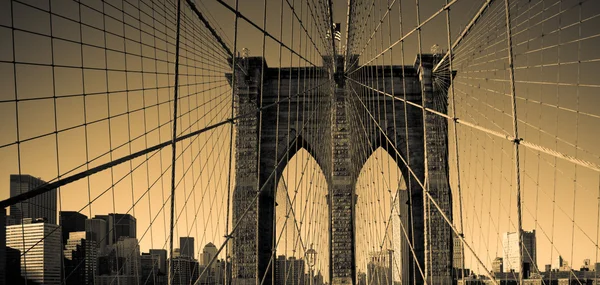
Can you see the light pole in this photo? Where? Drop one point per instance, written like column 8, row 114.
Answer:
column 311, row 260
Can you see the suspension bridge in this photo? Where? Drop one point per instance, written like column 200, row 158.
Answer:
column 299, row 142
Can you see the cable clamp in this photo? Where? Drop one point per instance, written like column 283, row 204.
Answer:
column 517, row 140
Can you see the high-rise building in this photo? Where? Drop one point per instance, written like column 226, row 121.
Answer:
column 512, row 252
column 119, row 225
column 186, row 246
column 13, row 266
column 289, row 271
column 401, row 245
column 151, row 274
column 379, row 268
column 497, row 265
column 122, row 261
column 81, row 259
column 42, row 246
column 185, row 270
column 41, row 206
column 2, row 246
column 95, row 229
column 208, row 253
column 557, row 263
column 71, row 221
column 162, row 259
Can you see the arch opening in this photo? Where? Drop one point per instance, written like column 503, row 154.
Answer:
column 301, row 221
column 382, row 222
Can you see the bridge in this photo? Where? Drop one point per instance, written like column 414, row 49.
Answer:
column 299, row 142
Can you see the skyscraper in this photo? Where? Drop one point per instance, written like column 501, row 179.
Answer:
column 121, row 261
column 118, row 225
column 379, row 268
column 81, row 259
column 208, row 253
column 186, row 246
column 400, row 231
column 71, row 221
column 151, row 274
column 42, row 244
column 185, row 270
column 290, row 271
column 95, row 229
column 162, row 259
column 511, row 252
column 41, row 206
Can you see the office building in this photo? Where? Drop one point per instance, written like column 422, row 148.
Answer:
column 289, row 271
column 122, row 261
column 81, row 259
column 71, row 221
column 43, row 245
column 208, row 253
column 13, row 266
column 41, row 206
column 401, row 245
column 497, row 265
column 512, row 252
column 185, row 270
column 95, row 229
column 118, row 226
column 162, row 259
column 379, row 268
column 151, row 274
column 186, row 246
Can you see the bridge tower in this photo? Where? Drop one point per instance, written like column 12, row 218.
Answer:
column 263, row 147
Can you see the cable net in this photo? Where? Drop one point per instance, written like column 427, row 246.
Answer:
column 299, row 142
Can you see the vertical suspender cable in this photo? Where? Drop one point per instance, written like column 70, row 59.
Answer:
column 516, row 140
column 174, row 143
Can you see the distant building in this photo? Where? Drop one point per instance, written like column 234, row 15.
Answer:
column 95, row 230
column 42, row 246
column 162, row 260
column 71, row 221
column 379, row 268
column 3, row 246
column 362, row 278
column 208, row 253
column 400, row 226
column 497, row 265
column 186, row 246
column 81, row 259
column 13, row 266
column 586, row 265
column 557, row 263
column 122, row 262
column 512, row 252
column 185, row 270
column 151, row 274
column 41, row 206
column 289, row 271
column 119, row 226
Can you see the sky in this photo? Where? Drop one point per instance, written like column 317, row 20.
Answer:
column 60, row 80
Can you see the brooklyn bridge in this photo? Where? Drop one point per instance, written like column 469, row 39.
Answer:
column 299, row 142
